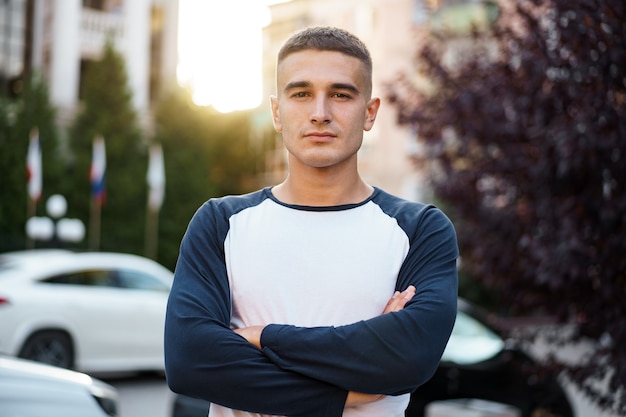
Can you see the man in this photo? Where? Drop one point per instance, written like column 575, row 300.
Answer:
column 322, row 295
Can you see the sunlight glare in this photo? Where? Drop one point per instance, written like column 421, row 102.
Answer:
column 220, row 52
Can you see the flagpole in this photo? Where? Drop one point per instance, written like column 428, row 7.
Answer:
column 94, row 224
column 31, row 211
column 34, row 186
column 156, row 191
column 152, row 233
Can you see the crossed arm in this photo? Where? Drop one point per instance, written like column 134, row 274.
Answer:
column 396, row 303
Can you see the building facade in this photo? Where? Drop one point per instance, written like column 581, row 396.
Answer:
column 58, row 39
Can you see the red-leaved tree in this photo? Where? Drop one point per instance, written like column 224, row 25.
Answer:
column 525, row 139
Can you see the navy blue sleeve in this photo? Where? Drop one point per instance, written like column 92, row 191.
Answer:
column 205, row 359
column 396, row 352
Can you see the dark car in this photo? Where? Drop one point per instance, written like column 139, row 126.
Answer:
column 478, row 364
column 479, row 368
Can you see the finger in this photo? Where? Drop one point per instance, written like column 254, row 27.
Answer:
column 408, row 293
column 356, row 398
column 391, row 304
column 399, row 300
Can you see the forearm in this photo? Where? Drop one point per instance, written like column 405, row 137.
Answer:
column 359, row 357
column 212, row 363
column 389, row 354
column 220, row 381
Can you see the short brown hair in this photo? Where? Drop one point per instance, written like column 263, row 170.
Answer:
column 327, row 39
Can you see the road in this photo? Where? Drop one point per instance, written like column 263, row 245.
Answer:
column 144, row 396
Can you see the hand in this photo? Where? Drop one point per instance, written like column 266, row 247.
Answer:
column 399, row 300
column 357, row 398
column 252, row 334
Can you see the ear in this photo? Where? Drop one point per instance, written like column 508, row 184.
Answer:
column 278, row 126
column 370, row 113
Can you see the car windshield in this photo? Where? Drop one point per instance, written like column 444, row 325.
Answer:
column 471, row 342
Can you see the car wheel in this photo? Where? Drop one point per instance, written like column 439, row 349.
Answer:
column 51, row 347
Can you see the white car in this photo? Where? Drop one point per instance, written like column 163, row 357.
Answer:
column 93, row 312
column 29, row 389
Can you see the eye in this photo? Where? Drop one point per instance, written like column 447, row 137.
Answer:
column 300, row 94
column 341, row 96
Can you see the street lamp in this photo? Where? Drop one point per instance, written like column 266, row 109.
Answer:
column 55, row 228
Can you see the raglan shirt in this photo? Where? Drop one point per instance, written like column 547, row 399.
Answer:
column 318, row 278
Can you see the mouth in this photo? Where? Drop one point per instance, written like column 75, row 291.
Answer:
column 320, row 136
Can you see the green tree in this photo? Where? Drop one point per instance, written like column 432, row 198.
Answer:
column 31, row 110
column 207, row 154
column 107, row 111
column 526, row 140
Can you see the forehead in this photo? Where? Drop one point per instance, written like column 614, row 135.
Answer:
column 320, row 68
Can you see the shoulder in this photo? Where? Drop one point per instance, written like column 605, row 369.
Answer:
column 229, row 205
column 412, row 216
column 404, row 210
column 212, row 217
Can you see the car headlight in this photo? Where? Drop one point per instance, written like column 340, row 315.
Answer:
column 471, row 342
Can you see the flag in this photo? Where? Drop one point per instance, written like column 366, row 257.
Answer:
column 156, row 177
column 98, row 169
column 33, row 167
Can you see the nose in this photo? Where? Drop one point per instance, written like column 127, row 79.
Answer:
column 321, row 111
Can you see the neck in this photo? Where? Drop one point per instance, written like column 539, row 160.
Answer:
column 322, row 190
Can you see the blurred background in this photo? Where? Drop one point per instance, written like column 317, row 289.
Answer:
column 119, row 118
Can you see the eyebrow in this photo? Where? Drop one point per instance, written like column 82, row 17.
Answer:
column 334, row 86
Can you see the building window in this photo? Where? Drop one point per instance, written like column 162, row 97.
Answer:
column 103, row 5
column 12, row 45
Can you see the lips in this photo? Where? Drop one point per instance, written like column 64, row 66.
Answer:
column 320, row 136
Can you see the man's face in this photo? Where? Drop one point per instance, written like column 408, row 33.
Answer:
column 323, row 107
